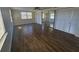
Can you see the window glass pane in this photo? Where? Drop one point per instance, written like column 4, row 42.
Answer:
column 43, row 16
column 52, row 15
column 29, row 15
column 26, row 15
column 23, row 15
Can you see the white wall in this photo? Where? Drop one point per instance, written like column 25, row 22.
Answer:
column 63, row 19
column 75, row 22
column 67, row 20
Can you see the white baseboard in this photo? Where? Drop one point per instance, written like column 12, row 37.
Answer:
column 76, row 35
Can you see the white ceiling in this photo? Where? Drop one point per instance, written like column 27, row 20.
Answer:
column 33, row 8
column 22, row 8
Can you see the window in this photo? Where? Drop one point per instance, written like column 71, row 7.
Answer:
column 51, row 20
column 26, row 15
column 43, row 15
column 52, row 15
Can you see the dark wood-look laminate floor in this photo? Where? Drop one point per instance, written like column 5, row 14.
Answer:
column 38, row 38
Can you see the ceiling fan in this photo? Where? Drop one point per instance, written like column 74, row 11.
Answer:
column 44, row 8
column 37, row 8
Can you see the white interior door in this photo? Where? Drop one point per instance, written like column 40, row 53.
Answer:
column 2, row 28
